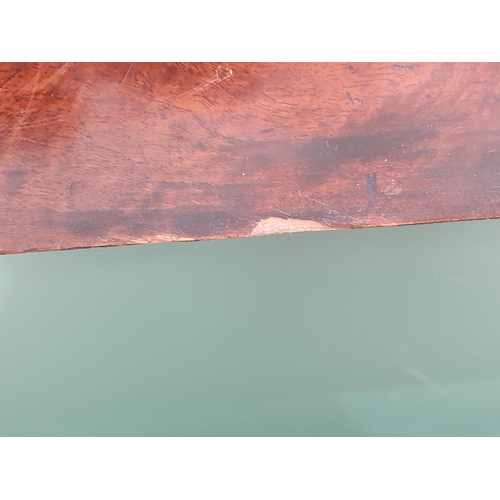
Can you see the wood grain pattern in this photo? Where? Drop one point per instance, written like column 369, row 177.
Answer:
column 112, row 154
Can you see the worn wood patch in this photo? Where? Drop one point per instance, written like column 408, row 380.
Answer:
column 113, row 154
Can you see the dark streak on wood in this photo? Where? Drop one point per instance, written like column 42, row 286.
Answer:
column 371, row 187
column 112, row 154
column 401, row 67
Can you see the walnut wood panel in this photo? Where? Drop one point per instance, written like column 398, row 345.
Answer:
column 112, row 154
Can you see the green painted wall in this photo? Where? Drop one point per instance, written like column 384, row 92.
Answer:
column 386, row 331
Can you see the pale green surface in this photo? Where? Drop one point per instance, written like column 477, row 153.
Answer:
column 387, row 331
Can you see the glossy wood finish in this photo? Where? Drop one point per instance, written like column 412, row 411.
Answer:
column 113, row 154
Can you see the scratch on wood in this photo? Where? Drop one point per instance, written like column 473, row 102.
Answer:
column 330, row 210
column 58, row 72
column 33, row 90
column 51, row 145
column 222, row 73
column 9, row 79
column 126, row 74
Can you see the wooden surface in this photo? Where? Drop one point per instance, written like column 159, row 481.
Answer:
column 112, row 154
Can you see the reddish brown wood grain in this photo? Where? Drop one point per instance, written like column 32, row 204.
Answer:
column 113, row 154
